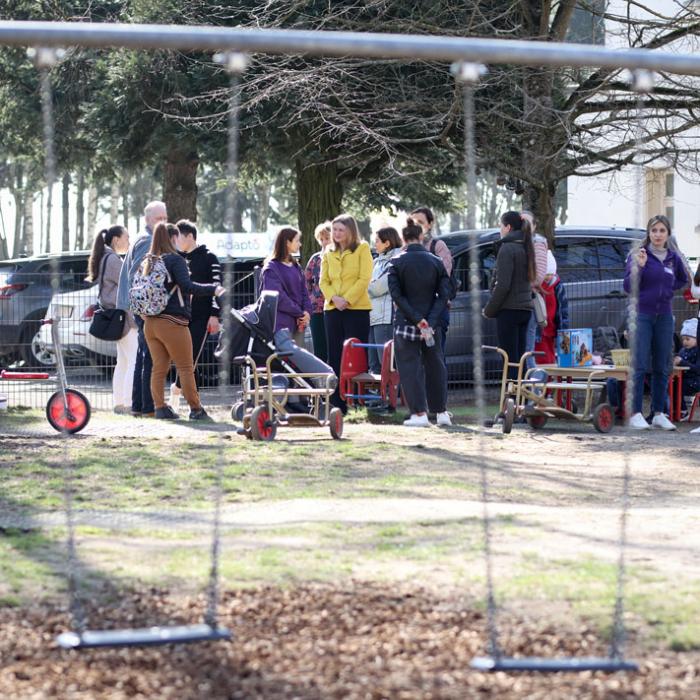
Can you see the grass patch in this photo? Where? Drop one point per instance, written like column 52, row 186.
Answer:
column 668, row 613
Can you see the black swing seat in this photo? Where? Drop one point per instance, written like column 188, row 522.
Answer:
column 147, row 636
column 542, row 665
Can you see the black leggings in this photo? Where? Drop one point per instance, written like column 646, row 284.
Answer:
column 511, row 328
column 341, row 325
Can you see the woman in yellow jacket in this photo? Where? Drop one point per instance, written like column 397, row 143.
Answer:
column 346, row 270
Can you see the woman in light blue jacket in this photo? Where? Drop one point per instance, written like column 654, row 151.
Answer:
column 387, row 243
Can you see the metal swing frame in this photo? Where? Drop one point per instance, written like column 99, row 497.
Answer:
column 44, row 35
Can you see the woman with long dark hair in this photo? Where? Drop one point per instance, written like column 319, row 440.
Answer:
column 387, row 243
column 104, row 268
column 346, row 270
column 660, row 271
column 168, row 334
column 283, row 274
column 511, row 286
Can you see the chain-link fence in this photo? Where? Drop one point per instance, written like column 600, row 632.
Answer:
column 55, row 287
column 590, row 264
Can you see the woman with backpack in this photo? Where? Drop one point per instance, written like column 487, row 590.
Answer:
column 104, row 267
column 167, row 330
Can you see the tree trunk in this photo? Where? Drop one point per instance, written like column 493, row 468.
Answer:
column 18, row 194
column 28, row 237
column 65, row 212
column 260, row 211
column 455, row 221
column 46, row 248
column 80, row 213
column 180, row 183
column 545, row 142
column 319, row 197
column 540, row 200
column 91, row 213
column 114, row 203
column 125, row 200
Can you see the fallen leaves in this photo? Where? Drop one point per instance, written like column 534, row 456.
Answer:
column 363, row 640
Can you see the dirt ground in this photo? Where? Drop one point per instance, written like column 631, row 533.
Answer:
column 411, row 639
column 316, row 642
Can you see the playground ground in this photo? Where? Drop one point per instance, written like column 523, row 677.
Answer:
column 351, row 568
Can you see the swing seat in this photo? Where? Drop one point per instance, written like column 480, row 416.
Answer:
column 543, row 665
column 147, row 636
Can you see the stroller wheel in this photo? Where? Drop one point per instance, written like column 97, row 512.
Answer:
column 262, row 426
column 335, row 420
column 238, row 411
column 72, row 417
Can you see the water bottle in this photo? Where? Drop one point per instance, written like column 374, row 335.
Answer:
column 428, row 336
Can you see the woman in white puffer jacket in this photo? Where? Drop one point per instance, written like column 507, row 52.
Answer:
column 387, row 243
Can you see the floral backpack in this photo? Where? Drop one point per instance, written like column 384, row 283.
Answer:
column 147, row 295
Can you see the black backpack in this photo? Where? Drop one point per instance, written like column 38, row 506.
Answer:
column 455, row 282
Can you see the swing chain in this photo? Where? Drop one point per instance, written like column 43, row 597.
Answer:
column 642, row 84
column 235, row 64
column 468, row 74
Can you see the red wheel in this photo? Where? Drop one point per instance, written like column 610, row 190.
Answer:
column 537, row 422
column 335, row 419
column 72, row 417
column 603, row 418
column 262, row 426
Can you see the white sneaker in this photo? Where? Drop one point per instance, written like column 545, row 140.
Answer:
column 662, row 422
column 639, row 422
column 443, row 418
column 695, row 430
column 416, row 421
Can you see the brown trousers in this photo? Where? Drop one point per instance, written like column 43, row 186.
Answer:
column 168, row 342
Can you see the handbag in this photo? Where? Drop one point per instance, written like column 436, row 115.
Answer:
column 540, row 307
column 107, row 324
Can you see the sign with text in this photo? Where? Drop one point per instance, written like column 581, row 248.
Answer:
column 238, row 245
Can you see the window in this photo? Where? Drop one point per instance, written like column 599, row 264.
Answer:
column 669, row 184
column 487, row 262
column 577, row 259
column 612, row 254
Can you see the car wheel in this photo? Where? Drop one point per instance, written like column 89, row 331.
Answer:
column 33, row 351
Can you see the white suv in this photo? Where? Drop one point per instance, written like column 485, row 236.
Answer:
column 75, row 311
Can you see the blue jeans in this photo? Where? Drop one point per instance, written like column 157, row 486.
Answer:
column 141, row 399
column 530, row 340
column 444, row 325
column 381, row 334
column 653, row 355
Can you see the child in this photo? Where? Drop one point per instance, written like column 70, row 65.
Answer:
column 688, row 357
column 557, row 313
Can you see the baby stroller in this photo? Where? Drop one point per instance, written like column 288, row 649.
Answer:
column 282, row 384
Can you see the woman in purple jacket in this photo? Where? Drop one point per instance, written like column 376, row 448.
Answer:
column 661, row 272
column 283, row 274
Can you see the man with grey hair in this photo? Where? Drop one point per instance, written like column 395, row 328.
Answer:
column 141, row 399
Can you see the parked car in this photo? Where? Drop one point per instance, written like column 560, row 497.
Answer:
column 75, row 311
column 26, row 288
column 590, row 262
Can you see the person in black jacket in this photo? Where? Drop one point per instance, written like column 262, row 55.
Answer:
column 168, row 334
column 420, row 288
column 511, row 286
column 204, row 268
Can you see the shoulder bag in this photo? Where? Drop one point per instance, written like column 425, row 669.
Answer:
column 107, row 324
